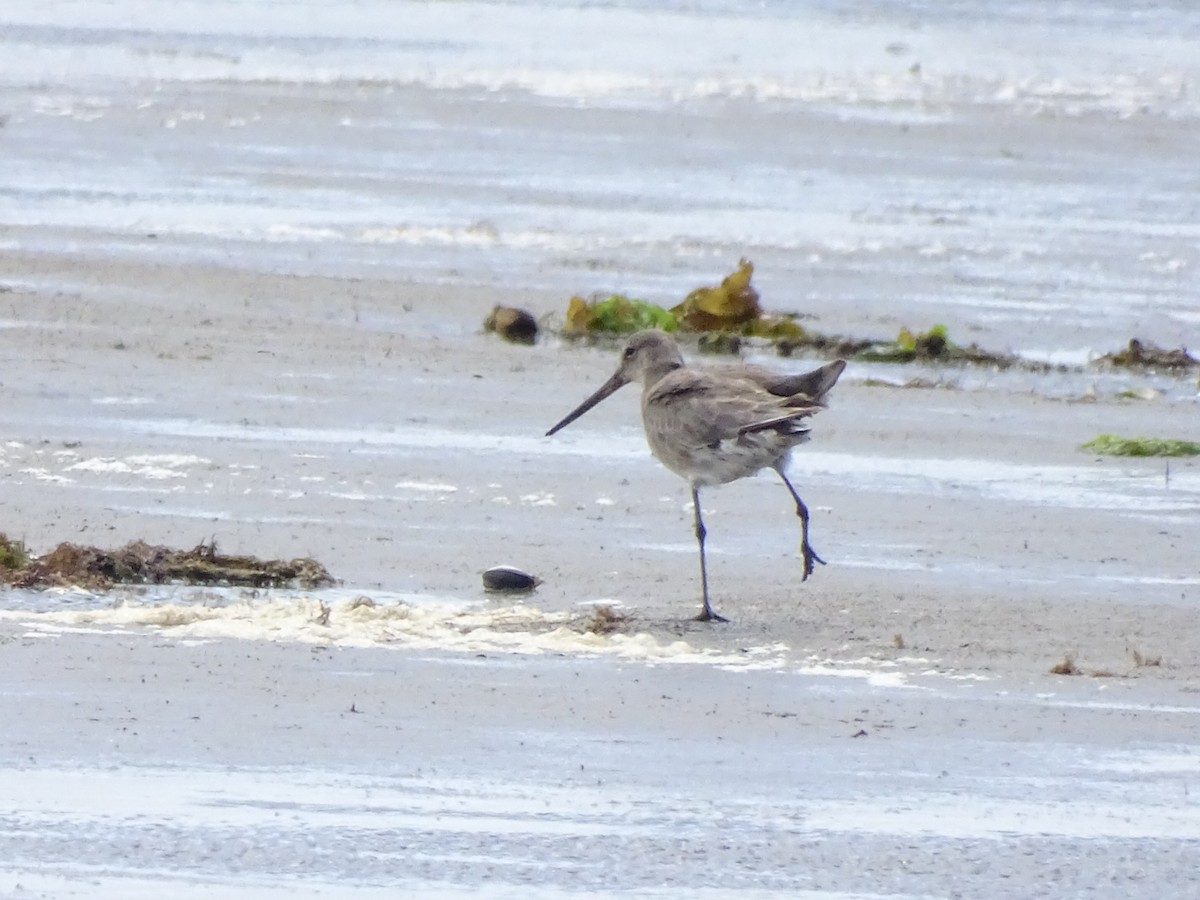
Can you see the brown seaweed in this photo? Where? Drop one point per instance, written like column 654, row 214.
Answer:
column 141, row 563
column 1145, row 355
column 732, row 303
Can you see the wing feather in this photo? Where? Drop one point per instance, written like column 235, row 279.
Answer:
column 701, row 408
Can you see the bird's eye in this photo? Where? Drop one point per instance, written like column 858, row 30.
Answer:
column 629, row 351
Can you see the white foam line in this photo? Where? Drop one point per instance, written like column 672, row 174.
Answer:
column 1156, row 708
column 426, row 486
column 422, row 438
column 1152, row 763
column 1133, row 579
column 100, row 883
column 361, row 622
column 873, row 677
column 963, row 817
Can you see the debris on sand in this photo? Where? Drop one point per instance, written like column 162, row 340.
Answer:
column 517, row 326
column 726, row 314
column 830, row 346
column 1140, row 660
column 730, row 311
column 721, row 314
column 606, row 620
column 933, row 345
column 141, row 563
column 732, row 303
column 1111, row 445
column 13, row 557
column 615, row 314
column 911, row 384
column 1066, row 667
column 720, row 343
column 1145, row 355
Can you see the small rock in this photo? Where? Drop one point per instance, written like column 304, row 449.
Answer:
column 517, row 326
column 508, row 579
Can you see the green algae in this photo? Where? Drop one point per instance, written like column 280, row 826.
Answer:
column 1111, row 445
column 616, row 314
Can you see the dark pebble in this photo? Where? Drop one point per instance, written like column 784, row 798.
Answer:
column 508, row 578
column 515, row 325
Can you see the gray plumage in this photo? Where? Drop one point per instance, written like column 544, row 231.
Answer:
column 716, row 425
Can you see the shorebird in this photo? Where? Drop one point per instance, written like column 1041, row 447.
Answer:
column 716, row 425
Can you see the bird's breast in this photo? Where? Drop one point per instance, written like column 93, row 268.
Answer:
column 723, row 461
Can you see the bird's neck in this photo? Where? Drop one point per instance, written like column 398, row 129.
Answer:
column 658, row 372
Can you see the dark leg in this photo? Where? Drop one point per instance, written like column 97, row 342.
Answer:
column 806, row 550
column 706, row 614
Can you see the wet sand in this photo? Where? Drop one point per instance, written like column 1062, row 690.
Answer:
column 244, row 259
column 890, row 727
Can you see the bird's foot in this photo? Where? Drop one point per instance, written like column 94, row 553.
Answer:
column 707, row 615
column 810, row 557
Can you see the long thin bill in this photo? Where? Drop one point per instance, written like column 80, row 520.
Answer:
column 609, row 387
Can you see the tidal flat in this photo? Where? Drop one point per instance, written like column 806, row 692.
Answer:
column 244, row 266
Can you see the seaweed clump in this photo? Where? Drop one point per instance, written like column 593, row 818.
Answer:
column 616, row 314
column 724, row 313
column 933, row 345
column 13, row 557
column 142, row 563
column 731, row 304
column 731, row 310
column 1111, row 445
column 1145, row 355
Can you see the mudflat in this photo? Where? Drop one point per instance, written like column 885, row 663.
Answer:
column 246, row 251
column 891, row 726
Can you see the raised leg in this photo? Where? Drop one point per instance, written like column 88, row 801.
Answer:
column 806, row 550
column 706, row 613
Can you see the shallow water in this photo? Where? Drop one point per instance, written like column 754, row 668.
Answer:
column 1023, row 173
column 624, row 823
column 452, row 481
column 1005, row 166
